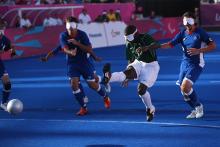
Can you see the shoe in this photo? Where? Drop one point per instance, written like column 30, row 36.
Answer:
column 199, row 111
column 150, row 113
column 107, row 73
column 107, row 102
column 86, row 99
column 82, row 111
column 4, row 106
column 191, row 115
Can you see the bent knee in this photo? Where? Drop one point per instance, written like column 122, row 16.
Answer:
column 142, row 89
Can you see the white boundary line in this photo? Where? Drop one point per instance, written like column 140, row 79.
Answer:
column 112, row 121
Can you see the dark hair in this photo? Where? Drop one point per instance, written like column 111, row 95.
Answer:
column 129, row 30
column 72, row 19
column 189, row 14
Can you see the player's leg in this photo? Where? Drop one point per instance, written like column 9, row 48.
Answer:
column 131, row 72
column 74, row 75
column 192, row 75
column 6, row 86
column 88, row 75
column 182, row 74
column 147, row 78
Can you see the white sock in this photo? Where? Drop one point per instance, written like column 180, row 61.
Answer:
column 146, row 99
column 117, row 77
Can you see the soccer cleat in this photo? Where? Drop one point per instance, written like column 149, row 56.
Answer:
column 82, row 111
column 191, row 115
column 4, row 106
column 150, row 113
column 107, row 102
column 107, row 73
column 199, row 111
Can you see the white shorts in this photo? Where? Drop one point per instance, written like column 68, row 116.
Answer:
column 146, row 72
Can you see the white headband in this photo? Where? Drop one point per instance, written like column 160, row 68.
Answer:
column 189, row 21
column 130, row 37
column 72, row 25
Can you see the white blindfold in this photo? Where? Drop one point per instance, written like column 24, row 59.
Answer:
column 72, row 25
column 130, row 37
column 189, row 21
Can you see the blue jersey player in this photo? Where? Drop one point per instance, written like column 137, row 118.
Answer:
column 191, row 39
column 75, row 43
column 97, row 77
column 5, row 45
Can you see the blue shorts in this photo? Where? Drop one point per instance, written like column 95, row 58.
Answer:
column 189, row 71
column 84, row 70
column 2, row 69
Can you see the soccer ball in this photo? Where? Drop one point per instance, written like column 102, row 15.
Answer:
column 14, row 106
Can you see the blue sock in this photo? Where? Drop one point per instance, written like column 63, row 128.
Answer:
column 5, row 96
column 79, row 97
column 101, row 91
column 188, row 101
column 194, row 99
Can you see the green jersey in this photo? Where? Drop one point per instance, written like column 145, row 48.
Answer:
column 141, row 41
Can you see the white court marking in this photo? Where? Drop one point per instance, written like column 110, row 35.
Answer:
column 111, row 121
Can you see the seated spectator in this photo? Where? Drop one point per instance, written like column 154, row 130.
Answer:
column 118, row 15
column 3, row 22
column 41, row 2
column 25, row 22
column 84, row 17
column 111, row 15
column 103, row 17
column 46, row 21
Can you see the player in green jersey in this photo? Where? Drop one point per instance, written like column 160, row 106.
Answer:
column 142, row 65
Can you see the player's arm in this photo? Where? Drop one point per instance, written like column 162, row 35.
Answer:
column 51, row 53
column 87, row 47
column 209, row 42
column 64, row 46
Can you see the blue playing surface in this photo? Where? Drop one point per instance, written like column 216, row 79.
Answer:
column 49, row 116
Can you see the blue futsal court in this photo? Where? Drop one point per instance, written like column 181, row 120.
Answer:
column 49, row 119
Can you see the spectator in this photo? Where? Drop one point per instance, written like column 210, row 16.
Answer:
column 104, row 17
column 25, row 22
column 111, row 15
column 118, row 15
column 84, row 17
column 3, row 22
column 46, row 21
column 197, row 17
column 40, row 2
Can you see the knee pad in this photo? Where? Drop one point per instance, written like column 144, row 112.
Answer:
column 142, row 89
column 7, row 86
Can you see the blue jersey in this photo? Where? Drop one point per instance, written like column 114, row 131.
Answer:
column 193, row 40
column 81, row 56
column 5, row 43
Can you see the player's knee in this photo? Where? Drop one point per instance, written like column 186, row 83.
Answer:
column 142, row 89
column 7, row 86
column 185, row 89
column 130, row 73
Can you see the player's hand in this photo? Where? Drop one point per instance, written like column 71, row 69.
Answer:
column 73, row 41
column 72, row 52
column 125, row 83
column 193, row 51
column 44, row 59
